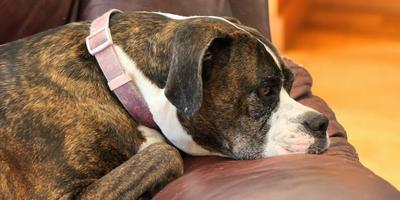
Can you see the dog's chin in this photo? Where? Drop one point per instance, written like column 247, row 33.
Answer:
column 280, row 150
column 319, row 146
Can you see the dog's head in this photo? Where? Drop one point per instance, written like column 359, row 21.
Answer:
column 227, row 88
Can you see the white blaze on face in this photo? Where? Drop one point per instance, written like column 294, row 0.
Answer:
column 286, row 134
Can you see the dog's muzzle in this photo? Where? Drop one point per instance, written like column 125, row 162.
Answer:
column 316, row 124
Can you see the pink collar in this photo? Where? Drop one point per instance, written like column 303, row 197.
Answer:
column 100, row 44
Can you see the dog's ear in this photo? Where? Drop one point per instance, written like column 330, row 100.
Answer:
column 287, row 74
column 232, row 19
column 184, row 86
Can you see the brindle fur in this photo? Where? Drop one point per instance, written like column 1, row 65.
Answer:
column 62, row 131
column 63, row 134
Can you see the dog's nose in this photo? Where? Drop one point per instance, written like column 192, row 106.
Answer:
column 316, row 123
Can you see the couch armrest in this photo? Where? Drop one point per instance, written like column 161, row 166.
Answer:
column 21, row 18
column 336, row 174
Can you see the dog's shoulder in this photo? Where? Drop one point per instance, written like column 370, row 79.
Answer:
column 58, row 121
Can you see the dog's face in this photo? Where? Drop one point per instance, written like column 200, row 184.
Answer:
column 229, row 90
column 244, row 111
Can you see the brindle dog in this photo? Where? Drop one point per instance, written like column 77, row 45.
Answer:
column 64, row 135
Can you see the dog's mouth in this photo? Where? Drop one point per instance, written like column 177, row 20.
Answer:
column 298, row 146
column 310, row 145
column 320, row 145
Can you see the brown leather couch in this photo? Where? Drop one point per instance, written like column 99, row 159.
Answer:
column 336, row 174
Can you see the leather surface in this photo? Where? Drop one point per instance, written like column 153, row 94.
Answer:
column 24, row 18
column 21, row 18
column 336, row 174
column 252, row 13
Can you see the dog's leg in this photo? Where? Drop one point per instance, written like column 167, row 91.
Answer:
column 140, row 176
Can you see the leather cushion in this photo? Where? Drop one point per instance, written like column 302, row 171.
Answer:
column 336, row 174
column 252, row 13
column 21, row 18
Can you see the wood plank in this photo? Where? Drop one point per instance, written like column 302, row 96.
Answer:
column 286, row 18
column 354, row 20
column 390, row 7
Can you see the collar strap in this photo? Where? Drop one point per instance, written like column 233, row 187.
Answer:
column 99, row 44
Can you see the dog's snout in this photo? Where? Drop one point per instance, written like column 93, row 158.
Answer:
column 316, row 123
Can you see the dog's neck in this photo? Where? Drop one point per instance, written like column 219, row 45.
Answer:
column 151, row 54
column 147, row 58
column 164, row 113
column 116, row 63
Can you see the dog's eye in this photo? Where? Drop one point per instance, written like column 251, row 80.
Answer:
column 264, row 91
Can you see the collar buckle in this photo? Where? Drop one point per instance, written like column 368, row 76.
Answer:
column 101, row 39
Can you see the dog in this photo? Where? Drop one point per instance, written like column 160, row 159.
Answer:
column 213, row 87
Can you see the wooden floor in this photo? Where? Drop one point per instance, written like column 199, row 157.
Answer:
column 359, row 77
